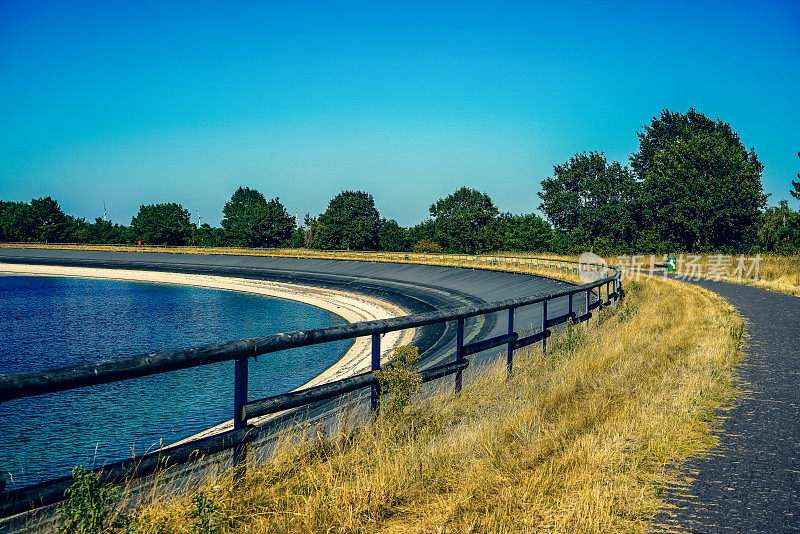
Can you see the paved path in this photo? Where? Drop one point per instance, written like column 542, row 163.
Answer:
column 751, row 482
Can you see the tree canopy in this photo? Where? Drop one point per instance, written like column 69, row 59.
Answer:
column 351, row 222
column 795, row 190
column 464, row 221
column 701, row 186
column 253, row 221
column 162, row 224
column 588, row 198
column 528, row 233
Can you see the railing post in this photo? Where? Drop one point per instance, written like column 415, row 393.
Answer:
column 544, row 325
column 375, row 393
column 510, row 350
column 459, row 349
column 239, row 392
column 588, row 300
column 239, row 400
column 569, row 309
column 600, row 301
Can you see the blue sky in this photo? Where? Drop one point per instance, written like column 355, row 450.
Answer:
column 160, row 102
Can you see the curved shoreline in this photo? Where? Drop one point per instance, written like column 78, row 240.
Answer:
column 351, row 307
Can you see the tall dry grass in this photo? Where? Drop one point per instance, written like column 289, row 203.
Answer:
column 580, row 439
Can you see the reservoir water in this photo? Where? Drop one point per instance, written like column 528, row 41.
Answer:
column 47, row 322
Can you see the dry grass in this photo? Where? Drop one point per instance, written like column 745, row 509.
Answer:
column 581, row 439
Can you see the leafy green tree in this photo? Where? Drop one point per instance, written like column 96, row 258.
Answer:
column 310, row 231
column 393, row 237
column 49, row 221
column 702, row 187
column 465, row 221
column 105, row 232
column 589, row 198
column 40, row 220
column 795, row 191
column 297, row 240
column 775, row 229
column 426, row 230
column 351, row 222
column 524, row 232
column 253, row 221
column 16, row 222
column 162, row 224
column 207, row 236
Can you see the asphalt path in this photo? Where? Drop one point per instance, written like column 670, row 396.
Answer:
column 751, row 481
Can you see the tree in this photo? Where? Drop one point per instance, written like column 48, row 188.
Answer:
column 391, row 236
column 40, row 220
column 426, row 230
column 310, row 231
column 16, row 222
column 351, row 222
column 795, row 191
column 464, row 221
column 524, row 232
column 206, row 236
column 105, row 232
column 777, row 229
column 162, row 224
column 49, row 221
column 702, row 187
column 253, row 221
column 588, row 198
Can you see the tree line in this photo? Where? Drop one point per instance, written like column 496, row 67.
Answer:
column 692, row 186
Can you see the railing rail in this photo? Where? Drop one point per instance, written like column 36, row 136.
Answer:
column 19, row 385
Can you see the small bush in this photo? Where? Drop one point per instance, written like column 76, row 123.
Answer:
column 205, row 514
column 427, row 246
column 399, row 381
column 569, row 340
column 89, row 504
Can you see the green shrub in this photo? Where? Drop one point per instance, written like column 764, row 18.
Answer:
column 427, row 246
column 205, row 514
column 568, row 340
column 399, row 381
column 89, row 503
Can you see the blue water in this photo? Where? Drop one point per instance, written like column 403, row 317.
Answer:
column 47, row 322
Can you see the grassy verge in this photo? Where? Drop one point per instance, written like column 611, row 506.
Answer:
column 581, row 439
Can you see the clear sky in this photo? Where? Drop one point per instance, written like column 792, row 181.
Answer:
column 146, row 102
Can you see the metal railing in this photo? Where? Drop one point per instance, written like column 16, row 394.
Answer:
column 19, row 385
